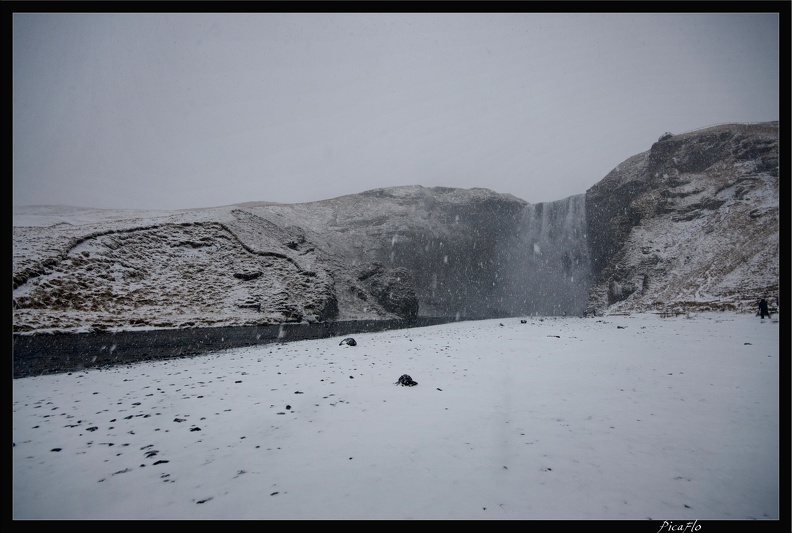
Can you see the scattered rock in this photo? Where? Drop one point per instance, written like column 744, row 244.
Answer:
column 406, row 381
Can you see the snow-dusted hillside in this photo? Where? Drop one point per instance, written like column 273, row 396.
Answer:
column 260, row 263
column 692, row 223
column 192, row 268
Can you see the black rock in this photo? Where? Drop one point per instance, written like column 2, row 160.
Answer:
column 406, row 381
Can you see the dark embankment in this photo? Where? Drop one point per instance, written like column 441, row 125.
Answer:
column 54, row 353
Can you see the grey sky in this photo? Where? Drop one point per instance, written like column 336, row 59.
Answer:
column 173, row 111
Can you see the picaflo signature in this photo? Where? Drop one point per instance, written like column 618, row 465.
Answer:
column 682, row 527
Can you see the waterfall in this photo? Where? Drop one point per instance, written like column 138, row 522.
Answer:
column 545, row 267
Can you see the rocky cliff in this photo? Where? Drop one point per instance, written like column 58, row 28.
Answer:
column 693, row 222
column 382, row 254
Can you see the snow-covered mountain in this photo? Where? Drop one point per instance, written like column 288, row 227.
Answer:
column 693, row 222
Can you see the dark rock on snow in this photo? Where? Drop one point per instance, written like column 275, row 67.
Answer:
column 406, row 381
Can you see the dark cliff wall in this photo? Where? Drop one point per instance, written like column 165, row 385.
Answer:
column 446, row 240
column 611, row 213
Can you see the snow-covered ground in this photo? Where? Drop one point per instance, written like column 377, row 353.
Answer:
column 622, row 417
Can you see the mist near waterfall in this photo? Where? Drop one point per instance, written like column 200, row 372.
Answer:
column 545, row 265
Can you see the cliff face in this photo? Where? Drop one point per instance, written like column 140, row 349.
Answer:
column 383, row 254
column 443, row 239
column 692, row 223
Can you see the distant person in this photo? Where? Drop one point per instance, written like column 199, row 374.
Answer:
column 763, row 309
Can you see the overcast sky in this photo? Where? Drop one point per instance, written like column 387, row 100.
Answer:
column 176, row 111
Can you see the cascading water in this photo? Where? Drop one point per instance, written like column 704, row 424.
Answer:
column 545, row 267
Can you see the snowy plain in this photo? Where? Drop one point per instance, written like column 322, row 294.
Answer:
column 555, row 418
